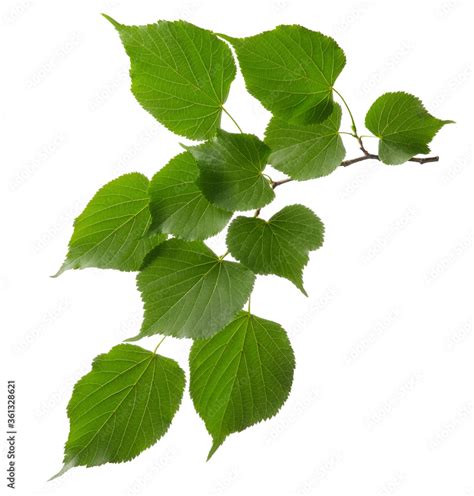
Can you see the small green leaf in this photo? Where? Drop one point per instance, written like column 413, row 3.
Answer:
column 240, row 376
column 190, row 292
column 231, row 171
column 403, row 126
column 178, row 206
column 278, row 246
column 291, row 70
column 122, row 406
column 306, row 151
column 111, row 232
column 180, row 73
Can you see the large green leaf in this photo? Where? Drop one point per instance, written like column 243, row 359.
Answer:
column 403, row 126
column 306, row 151
column 278, row 246
column 122, row 406
column 111, row 232
column 190, row 292
column 240, row 376
column 291, row 70
column 231, row 171
column 178, row 206
column 180, row 73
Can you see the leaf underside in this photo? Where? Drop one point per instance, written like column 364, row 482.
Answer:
column 403, row 126
column 240, row 376
column 122, row 406
column 190, row 292
column 278, row 246
column 306, row 151
column 178, row 206
column 112, row 231
column 291, row 70
column 180, row 73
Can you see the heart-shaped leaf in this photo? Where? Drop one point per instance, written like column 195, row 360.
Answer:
column 240, row 376
column 403, row 126
column 188, row 291
column 180, row 73
column 291, row 70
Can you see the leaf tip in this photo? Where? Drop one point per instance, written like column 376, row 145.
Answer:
column 111, row 20
column 61, row 270
column 63, row 470
column 215, row 446
column 298, row 282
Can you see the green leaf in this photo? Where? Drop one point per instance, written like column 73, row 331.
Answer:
column 291, row 70
column 231, row 171
column 111, row 232
column 278, row 246
column 122, row 406
column 190, row 292
column 178, row 206
column 403, row 126
column 180, row 73
column 240, row 376
column 306, row 151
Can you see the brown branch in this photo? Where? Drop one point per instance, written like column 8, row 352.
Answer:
column 361, row 144
column 366, row 156
column 346, row 163
column 423, row 160
column 283, row 181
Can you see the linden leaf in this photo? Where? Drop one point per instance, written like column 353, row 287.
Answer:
column 178, row 206
column 291, row 70
column 188, row 291
column 231, row 171
column 403, row 126
column 240, row 376
column 306, row 151
column 122, row 406
column 278, row 246
column 111, row 232
column 180, row 73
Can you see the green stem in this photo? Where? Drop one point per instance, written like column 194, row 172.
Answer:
column 268, row 178
column 348, row 134
column 158, row 345
column 354, row 127
column 223, row 256
column 232, row 119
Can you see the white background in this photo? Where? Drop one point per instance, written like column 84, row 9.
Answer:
column 382, row 401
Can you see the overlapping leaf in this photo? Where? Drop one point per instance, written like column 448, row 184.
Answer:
column 231, row 171
column 240, row 376
column 112, row 231
column 122, row 406
column 278, row 246
column 306, row 151
column 190, row 292
column 403, row 126
column 180, row 73
column 178, row 206
column 291, row 70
